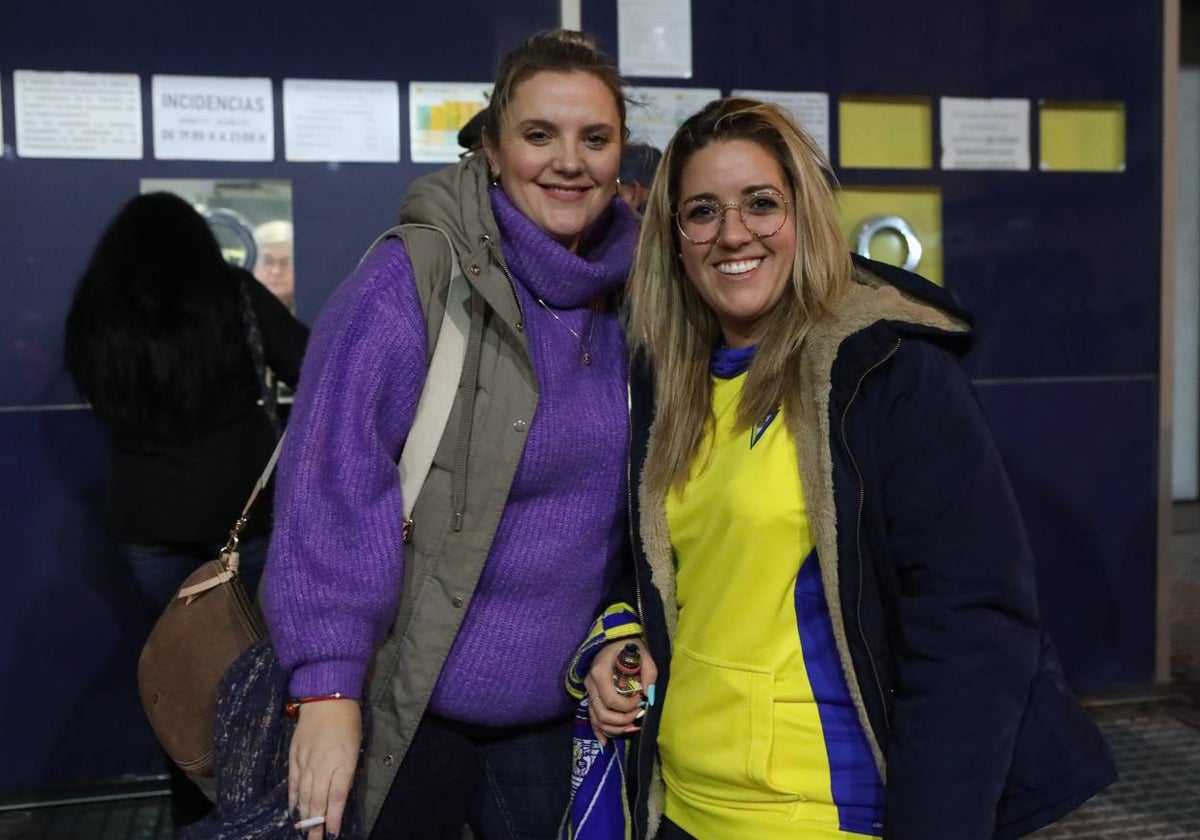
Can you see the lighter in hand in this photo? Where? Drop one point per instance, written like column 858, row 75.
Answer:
column 627, row 670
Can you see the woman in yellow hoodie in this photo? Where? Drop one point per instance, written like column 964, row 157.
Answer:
column 836, row 597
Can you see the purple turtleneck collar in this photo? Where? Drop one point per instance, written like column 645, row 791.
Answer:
column 563, row 279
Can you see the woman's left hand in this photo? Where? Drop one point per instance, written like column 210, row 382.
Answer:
column 321, row 763
column 613, row 715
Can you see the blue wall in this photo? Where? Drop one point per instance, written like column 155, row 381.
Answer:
column 1061, row 269
column 69, row 627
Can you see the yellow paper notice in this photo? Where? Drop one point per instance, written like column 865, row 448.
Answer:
column 1083, row 136
column 885, row 132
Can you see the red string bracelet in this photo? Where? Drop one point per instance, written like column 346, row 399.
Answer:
column 292, row 707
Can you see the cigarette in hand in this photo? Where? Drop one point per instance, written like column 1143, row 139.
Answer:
column 310, row 822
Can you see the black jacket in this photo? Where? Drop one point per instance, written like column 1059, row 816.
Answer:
column 173, row 489
column 928, row 575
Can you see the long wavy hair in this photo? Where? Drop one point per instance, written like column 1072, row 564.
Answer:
column 677, row 329
column 155, row 337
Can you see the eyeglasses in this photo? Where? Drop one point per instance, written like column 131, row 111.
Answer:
column 271, row 261
column 763, row 213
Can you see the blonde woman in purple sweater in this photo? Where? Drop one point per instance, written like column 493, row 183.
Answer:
column 458, row 640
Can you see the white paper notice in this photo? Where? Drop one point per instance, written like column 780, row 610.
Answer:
column 78, row 115
column 661, row 110
column 809, row 110
column 654, row 38
column 436, row 111
column 985, row 133
column 356, row 122
column 213, row 118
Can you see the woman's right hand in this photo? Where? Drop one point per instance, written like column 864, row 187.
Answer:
column 321, row 762
column 612, row 714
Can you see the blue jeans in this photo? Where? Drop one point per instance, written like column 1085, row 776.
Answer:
column 160, row 569
column 506, row 783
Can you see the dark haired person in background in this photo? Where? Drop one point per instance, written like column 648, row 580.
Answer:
column 470, row 136
column 639, row 162
column 167, row 341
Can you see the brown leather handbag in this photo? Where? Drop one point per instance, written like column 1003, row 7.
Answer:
column 209, row 623
column 212, row 621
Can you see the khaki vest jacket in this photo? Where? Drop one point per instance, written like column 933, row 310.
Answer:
column 463, row 498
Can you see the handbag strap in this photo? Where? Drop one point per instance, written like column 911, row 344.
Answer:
column 229, row 551
column 267, row 397
column 433, row 407
column 437, row 397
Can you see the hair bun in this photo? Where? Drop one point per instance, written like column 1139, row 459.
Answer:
column 571, row 37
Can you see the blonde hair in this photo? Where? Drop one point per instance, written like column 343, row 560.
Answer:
column 273, row 233
column 678, row 330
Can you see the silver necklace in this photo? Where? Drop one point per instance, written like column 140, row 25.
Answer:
column 580, row 340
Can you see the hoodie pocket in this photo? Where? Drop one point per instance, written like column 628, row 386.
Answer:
column 717, row 732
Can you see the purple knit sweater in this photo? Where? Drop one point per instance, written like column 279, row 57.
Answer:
column 338, row 494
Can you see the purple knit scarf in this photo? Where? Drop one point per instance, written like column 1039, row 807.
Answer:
column 558, row 540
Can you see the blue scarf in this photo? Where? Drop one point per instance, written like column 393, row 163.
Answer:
column 250, row 754
column 599, row 809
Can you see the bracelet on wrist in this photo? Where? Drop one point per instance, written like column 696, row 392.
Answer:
column 292, row 707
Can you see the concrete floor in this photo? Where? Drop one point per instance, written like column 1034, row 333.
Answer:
column 1156, row 743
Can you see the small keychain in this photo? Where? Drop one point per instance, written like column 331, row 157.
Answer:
column 627, row 670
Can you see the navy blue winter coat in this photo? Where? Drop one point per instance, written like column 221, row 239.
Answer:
column 927, row 571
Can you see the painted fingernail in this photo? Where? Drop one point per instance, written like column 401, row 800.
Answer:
column 650, row 693
column 643, row 704
column 629, row 730
column 641, row 714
